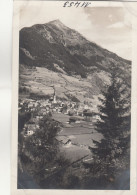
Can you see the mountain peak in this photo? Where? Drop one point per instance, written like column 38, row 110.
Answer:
column 55, row 22
column 58, row 44
column 58, row 23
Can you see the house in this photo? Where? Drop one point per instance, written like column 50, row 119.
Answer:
column 30, row 128
column 96, row 117
column 86, row 107
column 88, row 115
column 30, row 105
column 29, row 132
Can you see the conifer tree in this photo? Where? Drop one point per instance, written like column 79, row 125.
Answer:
column 114, row 125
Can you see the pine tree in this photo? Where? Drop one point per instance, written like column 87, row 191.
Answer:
column 114, row 125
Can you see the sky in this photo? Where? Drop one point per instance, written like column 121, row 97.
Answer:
column 109, row 27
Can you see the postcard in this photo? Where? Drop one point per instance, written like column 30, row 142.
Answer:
column 74, row 100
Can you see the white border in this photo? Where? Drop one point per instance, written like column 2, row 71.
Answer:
column 15, row 74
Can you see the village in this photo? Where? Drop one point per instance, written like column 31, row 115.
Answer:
column 76, row 111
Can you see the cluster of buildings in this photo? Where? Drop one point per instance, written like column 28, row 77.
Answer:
column 40, row 108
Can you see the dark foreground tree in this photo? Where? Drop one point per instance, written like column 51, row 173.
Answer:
column 40, row 158
column 111, row 154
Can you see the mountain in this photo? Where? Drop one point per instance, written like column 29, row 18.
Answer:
column 59, row 50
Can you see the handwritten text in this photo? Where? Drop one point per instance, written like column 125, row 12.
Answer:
column 76, row 4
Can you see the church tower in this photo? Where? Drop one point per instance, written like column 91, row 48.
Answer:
column 54, row 97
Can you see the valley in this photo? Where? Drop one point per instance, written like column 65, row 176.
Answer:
column 62, row 80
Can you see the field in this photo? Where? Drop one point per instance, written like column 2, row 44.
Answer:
column 41, row 81
column 76, row 138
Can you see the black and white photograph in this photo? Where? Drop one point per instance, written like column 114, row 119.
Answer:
column 74, row 97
